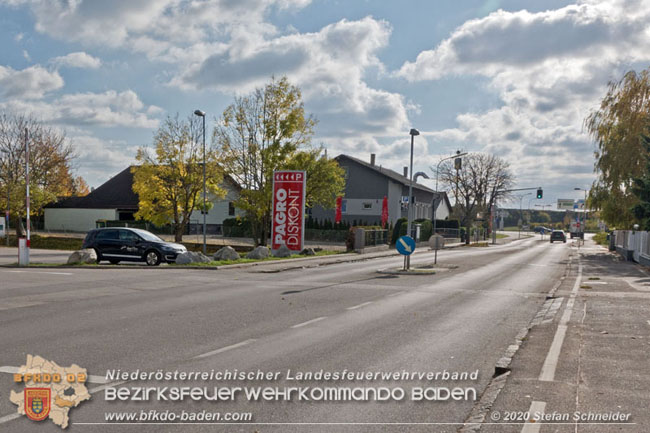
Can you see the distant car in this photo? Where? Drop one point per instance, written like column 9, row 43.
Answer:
column 558, row 235
column 131, row 245
column 539, row 229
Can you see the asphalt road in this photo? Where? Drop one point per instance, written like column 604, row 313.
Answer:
column 331, row 318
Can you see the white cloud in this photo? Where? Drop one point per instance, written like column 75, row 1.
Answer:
column 329, row 66
column 550, row 70
column 108, row 109
column 77, row 60
column 116, row 22
column 101, row 158
column 30, row 83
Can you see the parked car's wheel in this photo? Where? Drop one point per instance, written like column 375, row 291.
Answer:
column 114, row 262
column 99, row 256
column 152, row 258
column 551, row 240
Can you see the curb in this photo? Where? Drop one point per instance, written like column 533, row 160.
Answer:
column 342, row 258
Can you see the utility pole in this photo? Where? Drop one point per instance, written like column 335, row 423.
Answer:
column 413, row 133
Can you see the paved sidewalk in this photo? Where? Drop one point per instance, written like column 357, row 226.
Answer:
column 587, row 353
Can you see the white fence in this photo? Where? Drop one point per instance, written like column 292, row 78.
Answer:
column 633, row 245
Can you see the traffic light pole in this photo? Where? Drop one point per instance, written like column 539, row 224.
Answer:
column 494, row 214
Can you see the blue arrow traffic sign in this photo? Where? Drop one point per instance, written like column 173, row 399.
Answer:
column 405, row 245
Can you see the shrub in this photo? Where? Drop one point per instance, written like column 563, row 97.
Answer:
column 397, row 230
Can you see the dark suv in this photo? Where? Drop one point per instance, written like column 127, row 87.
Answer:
column 558, row 235
column 132, row 245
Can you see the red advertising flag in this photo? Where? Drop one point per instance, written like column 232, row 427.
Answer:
column 339, row 211
column 384, row 212
column 288, row 226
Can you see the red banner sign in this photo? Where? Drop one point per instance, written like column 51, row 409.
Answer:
column 288, row 226
column 339, row 210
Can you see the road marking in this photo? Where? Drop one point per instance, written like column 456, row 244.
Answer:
column 536, row 407
column 41, row 272
column 360, row 305
column 550, row 364
column 394, row 294
column 309, row 322
column 225, row 349
column 91, row 378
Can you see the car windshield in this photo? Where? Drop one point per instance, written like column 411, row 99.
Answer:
column 147, row 236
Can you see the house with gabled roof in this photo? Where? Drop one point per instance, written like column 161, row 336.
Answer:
column 115, row 200
column 366, row 185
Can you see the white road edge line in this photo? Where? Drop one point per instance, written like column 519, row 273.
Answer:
column 359, row 306
column 309, row 322
column 41, row 272
column 91, row 378
column 536, row 407
column 225, row 349
column 550, row 364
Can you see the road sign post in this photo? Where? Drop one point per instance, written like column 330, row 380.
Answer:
column 436, row 242
column 405, row 245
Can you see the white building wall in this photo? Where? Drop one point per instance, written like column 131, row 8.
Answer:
column 443, row 210
column 75, row 220
column 219, row 210
column 394, row 201
column 357, row 206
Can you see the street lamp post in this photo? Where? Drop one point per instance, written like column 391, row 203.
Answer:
column 202, row 115
column 435, row 205
column 413, row 133
column 521, row 211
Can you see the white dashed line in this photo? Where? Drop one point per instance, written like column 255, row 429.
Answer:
column 550, row 364
column 309, row 322
column 41, row 272
column 8, row 418
column 536, row 407
column 225, row 349
column 360, row 305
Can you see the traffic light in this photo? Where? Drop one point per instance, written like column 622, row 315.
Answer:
column 458, row 163
column 540, row 193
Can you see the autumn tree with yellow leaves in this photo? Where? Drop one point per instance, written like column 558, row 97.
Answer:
column 169, row 180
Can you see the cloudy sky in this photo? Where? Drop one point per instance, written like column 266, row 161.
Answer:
column 511, row 77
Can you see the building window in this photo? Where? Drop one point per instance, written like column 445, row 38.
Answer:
column 231, row 208
column 367, row 206
column 344, row 206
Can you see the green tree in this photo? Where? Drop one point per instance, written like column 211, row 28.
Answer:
column 477, row 186
column 50, row 166
column 617, row 127
column 641, row 189
column 169, row 183
column 268, row 130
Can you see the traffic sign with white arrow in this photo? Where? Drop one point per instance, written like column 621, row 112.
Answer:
column 405, row 245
